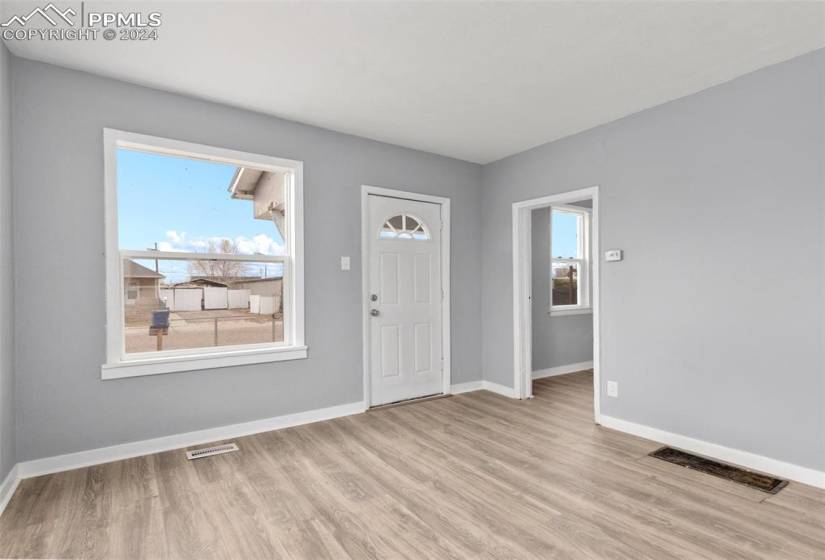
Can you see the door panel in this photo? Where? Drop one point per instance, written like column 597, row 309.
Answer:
column 390, row 350
column 422, row 279
column 389, row 278
column 405, row 325
column 423, row 347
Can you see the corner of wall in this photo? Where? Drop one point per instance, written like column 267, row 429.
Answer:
column 8, row 436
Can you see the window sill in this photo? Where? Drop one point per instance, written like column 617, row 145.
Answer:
column 577, row 311
column 193, row 362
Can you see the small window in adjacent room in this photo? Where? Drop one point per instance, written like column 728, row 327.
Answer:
column 570, row 260
column 203, row 257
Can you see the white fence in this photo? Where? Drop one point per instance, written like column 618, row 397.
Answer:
column 264, row 305
column 215, row 298
column 167, row 296
column 238, row 299
column 187, row 299
column 195, row 299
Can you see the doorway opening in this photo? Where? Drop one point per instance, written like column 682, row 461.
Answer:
column 556, row 289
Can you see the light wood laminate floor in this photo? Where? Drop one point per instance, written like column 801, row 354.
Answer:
column 472, row 476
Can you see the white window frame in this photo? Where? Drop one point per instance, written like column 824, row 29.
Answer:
column 119, row 364
column 583, row 261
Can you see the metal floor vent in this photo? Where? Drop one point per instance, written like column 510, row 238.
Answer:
column 209, row 451
column 762, row 482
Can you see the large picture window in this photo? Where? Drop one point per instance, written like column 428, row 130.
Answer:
column 569, row 260
column 203, row 257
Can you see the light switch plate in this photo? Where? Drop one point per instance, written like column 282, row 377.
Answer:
column 613, row 255
column 345, row 263
column 612, row 388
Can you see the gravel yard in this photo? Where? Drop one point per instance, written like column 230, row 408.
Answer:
column 199, row 329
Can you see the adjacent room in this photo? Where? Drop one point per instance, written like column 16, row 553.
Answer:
column 311, row 280
column 562, row 291
column 561, row 300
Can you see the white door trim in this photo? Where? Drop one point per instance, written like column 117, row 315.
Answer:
column 522, row 290
column 444, row 202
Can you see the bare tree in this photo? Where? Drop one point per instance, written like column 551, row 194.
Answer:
column 219, row 270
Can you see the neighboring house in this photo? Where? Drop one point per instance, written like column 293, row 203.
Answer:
column 259, row 286
column 265, row 294
column 266, row 191
column 141, row 285
column 201, row 282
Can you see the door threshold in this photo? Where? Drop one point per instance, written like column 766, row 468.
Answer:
column 409, row 401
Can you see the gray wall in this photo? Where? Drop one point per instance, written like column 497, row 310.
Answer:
column 557, row 340
column 63, row 406
column 710, row 196
column 7, row 418
column 713, row 323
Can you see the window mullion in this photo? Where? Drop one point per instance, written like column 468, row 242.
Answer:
column 182, row 256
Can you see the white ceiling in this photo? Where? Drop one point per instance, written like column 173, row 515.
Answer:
column 475, row 81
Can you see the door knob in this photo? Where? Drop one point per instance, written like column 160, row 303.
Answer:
column 375, row 312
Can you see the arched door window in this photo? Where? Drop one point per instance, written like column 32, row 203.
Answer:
column 404, row 226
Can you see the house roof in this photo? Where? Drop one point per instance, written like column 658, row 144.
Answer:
column 201, row 281
column 131, row 269
column 244, row 182
column 247, row 280
column 227, row 280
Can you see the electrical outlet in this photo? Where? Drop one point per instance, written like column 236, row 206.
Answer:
column 613, row 389
column 345, row 263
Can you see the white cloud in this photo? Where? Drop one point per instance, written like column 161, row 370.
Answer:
column 259, row 244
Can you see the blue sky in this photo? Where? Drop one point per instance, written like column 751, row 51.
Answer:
column 183, row 204
column 563, row 235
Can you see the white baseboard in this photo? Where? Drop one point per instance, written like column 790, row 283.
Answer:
column 101, row 455
column 465, row 387
column 738, row 457
column 483, row 385
column 8, row 487
column 497, row 388
column 562, row 370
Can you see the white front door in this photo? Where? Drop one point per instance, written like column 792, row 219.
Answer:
column 405, row 293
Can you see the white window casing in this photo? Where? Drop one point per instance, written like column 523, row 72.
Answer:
column 118, row 363
column 582, row 261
